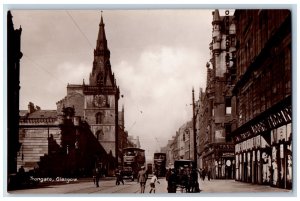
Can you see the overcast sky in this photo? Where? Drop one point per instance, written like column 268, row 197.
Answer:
column 157, row 57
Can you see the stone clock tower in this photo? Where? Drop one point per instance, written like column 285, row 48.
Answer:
column 101, row 97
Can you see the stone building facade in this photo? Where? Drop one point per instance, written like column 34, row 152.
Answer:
column 94, row 105
column 97, row 102
column 36, row 126
column 214, row 107
column 263, row 118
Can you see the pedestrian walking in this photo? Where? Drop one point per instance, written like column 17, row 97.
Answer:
column 152, row 182
column 142, row 178
column 172, row 182
column 203, row 175
column 208, row 174
column 119, row 177
column 96, row 176
column 168, row 174
column 21, row 175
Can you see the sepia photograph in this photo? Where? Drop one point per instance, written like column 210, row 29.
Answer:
column 194, row 101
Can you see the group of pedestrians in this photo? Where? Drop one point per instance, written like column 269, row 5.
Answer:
column 142, row 179
column 184, row 178
column 204, row 173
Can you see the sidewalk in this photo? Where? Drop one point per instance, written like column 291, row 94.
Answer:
column 232, row 186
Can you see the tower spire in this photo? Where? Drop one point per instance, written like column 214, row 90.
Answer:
column 101, row 21
column 101, row 47
column 101, row 72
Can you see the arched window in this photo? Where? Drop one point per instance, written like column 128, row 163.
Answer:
column 99, row 118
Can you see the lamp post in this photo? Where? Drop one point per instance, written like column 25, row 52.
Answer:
column 194, row 128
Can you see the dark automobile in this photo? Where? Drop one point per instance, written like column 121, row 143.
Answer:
column 183, row 164
column 127, row 173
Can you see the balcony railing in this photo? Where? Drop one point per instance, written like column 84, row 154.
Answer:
column 49, row 120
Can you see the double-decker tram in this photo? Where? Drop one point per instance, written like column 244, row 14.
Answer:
column 133, row 160
column 160, row 164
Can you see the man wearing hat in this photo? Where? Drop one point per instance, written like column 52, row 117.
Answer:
column 142, row 178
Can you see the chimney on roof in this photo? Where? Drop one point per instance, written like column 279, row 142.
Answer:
column 37, row 108
column 31, row 108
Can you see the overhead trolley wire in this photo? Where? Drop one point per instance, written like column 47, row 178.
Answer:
column 73, row 20
column 40, row 67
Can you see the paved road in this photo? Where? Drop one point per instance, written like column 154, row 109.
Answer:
column 108, row 186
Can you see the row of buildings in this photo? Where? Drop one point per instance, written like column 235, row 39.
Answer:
column 242, row 121
column 85, row 131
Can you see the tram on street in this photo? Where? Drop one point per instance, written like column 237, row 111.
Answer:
column 133, row 160
column 160, row 164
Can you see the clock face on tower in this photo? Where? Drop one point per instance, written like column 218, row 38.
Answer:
column 99, row 100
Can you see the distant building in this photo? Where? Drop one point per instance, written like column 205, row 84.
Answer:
column 134, row 142
column 181, row 145
column 169, row 152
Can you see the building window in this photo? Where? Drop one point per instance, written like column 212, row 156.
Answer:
column 227, row 132
column 99, row 118
column 227, row 105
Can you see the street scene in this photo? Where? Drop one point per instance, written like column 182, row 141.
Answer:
column 108, row 102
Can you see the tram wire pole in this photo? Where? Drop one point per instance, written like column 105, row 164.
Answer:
column 194, row 129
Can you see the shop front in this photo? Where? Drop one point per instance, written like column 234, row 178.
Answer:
column 220, row 161
column 263, row 150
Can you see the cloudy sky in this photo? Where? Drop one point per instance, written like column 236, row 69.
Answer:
column 157, row 57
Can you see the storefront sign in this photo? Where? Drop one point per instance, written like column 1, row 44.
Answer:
column 279, row 117
column 228, row 154
column 259, row 127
